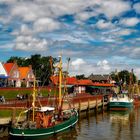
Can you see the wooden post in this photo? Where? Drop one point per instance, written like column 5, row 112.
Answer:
column 96, row 104
column 79, row 106
column 103, row 104
column 13, row 119
column 88, row 107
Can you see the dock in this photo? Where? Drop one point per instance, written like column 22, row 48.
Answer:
column 81, row 102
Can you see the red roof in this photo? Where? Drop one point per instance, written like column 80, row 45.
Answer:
column 69, row 80
column 72, row 81
column 84, row 82
column 23, row 71
column 103, row 84
column 8, row 67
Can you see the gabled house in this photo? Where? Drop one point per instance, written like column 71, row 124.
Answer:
column 3, row 76
column 13, row 74
column 26, row 76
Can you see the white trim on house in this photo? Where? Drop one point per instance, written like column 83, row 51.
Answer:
column 2, row 70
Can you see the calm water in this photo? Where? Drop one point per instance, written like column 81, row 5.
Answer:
column 106, row 126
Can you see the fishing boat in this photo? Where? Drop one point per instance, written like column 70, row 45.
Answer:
column 43, row 121
column 120, row 102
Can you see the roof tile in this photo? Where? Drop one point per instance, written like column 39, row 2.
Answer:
column 23, row 72
column 8, row 67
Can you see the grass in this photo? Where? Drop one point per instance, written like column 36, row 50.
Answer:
column 8, row 113
column 12, row 93
column 5, row 113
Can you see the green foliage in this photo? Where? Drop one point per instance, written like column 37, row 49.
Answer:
column 20, row 61
column 124, row 76
column 82, row 76
column 8, row 113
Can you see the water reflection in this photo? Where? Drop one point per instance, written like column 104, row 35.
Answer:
column 122, row 124
column 67, row 135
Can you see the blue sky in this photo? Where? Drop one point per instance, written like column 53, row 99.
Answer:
column 99, row 36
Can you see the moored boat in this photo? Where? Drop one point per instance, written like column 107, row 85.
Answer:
column 44, row 121
column 120, row 102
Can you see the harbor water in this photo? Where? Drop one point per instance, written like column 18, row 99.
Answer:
column 103, row 126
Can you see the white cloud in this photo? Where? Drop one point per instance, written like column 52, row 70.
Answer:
column 103, row 65
column 45, row 24
column 112, row 8
column 26, row 10
column 39, row 18
column 83, row 16
column 107, row 39
column 129, row 21
column 25, row 30
column 28, row 43
column 78, row 62
column 135, row 52
column 137, row 7
column 123, row 32
column 101, row 24
column 31, row 10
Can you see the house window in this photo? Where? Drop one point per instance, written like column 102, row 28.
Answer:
column 15, row 74
column 30, row 75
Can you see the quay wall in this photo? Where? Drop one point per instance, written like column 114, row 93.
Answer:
column 79, row 102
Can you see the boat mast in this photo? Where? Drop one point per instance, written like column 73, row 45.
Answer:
column 60, row 80
column 33, row 103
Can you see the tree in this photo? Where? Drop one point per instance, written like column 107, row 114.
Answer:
column 124, row 76
column 19, row 60
column 82, row 76
column 43, row 67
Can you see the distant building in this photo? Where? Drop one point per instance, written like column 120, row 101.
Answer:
column 81, row 85
column 19, row 76
column 74, row 85
column 100, row 78
column 13, row 74
column 26, row 76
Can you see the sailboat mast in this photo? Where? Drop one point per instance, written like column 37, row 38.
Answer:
column 33, row 103
column 60, row 81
